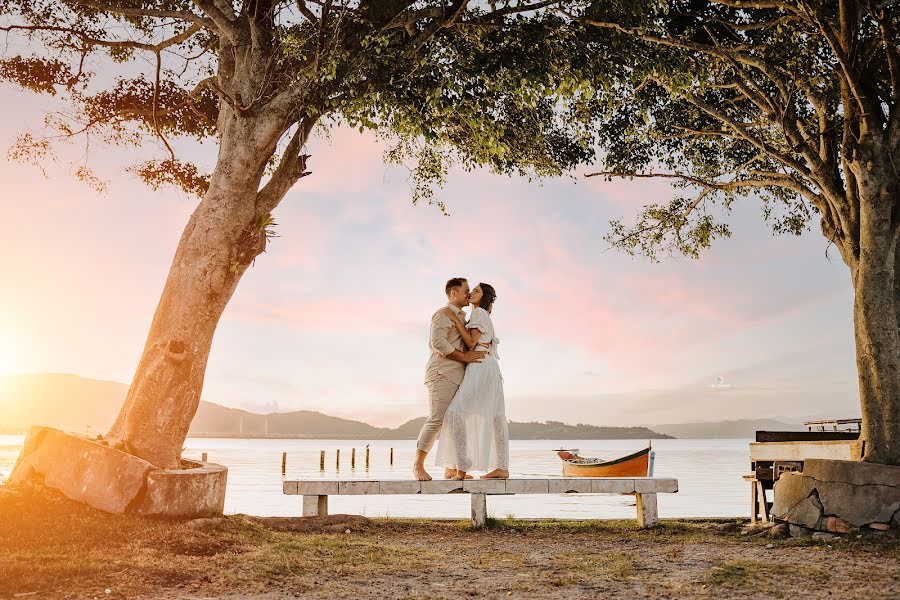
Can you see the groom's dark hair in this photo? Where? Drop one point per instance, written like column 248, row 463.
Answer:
column 454, row 283
column 488, row 295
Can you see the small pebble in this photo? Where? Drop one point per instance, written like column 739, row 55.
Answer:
column 769, row 546
column 107, row 591
column 346, row 531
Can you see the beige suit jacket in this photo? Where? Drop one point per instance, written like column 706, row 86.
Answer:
column 444, row 339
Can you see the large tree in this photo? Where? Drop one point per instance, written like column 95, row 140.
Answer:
column 791, row 103
column 473, row 83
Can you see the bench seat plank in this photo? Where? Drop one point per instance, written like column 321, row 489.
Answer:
column 315, row 492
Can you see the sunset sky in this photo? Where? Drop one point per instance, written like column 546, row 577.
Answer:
column 335, row 316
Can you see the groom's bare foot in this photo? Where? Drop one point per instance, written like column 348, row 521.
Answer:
column 420, row 473
column 496, row 474
column 449, row 473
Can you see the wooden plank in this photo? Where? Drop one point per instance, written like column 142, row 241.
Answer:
column 763, row 507
column 479, row 509
column 754, row 503
column 771, row 451
column 805, row 436
column 647, row 515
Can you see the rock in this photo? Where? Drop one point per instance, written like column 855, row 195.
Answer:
column 808, row 513
column 797, row 531
column 782, row 530
column 859, row 504
column 836, row 525
column 852, row 472
column 81, row 469
column 197, row 492
column 789, row 491
column 854, row 493
column 879, row 526
column 822, row 536
column 769, row 546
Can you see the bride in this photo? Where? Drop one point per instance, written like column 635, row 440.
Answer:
column 475, row 434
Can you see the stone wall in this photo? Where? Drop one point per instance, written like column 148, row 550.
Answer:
column 839, row 496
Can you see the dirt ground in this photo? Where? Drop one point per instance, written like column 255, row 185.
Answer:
column 53, row 548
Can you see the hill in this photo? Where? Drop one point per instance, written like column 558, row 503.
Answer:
column 740, row 428
column 77, row 404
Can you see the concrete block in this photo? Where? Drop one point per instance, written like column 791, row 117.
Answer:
column 652, row 485
column 401, row 487
column 573, row 485
column 317, row 488
column 527, row 486
column 484, row 486
column 442, row 486
column 612, row 485
column 358, row 487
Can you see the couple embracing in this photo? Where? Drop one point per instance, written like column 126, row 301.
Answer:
column 465, row 389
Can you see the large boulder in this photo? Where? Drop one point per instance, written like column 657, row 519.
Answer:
column 81, row 469
column 117, row 482
column 835, row 494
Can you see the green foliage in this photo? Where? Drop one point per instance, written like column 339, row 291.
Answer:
column 735, row 100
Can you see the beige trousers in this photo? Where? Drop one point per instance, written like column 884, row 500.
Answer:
column 440, row 392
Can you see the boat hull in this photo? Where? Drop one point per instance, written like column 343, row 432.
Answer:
column 633, row 465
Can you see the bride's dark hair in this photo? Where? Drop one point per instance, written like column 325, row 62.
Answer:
column 488, row 295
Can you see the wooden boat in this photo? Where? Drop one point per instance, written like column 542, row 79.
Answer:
column 638, row 464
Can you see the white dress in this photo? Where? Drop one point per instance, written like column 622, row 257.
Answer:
column 475, row 433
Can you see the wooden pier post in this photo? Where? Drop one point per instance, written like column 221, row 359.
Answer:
column 283, row 463
column 392, row 456
column 322, row 460
column 353, row 458
column 367, row 457
column 337, row 460
column 203, row 457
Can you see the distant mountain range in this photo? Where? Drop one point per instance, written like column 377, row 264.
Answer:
column 78, row 404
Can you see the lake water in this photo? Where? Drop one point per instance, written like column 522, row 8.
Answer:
column 708, row 471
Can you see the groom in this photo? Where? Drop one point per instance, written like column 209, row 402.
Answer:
column 445, row 369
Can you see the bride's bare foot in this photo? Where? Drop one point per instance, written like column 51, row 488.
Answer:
column 460, row 475
column 449, row 473
column 420, row 473
column 496, row 474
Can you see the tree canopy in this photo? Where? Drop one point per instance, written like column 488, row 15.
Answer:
column 496, row 84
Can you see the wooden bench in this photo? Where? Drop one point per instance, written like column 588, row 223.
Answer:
column 315, row 492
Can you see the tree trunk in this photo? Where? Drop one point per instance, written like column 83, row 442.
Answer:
column 875, row 314
column 221, row 239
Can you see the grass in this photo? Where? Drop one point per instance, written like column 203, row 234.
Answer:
column 58, row 548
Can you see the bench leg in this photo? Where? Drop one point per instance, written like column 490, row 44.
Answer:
column 754, row 503
column 646, row 510
column 315, row 506
column 479, row 509
column 763, row 507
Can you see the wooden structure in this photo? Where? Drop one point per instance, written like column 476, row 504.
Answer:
column 637, row 464
column 315, row 492
column 846, row 424
column 777, row 452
